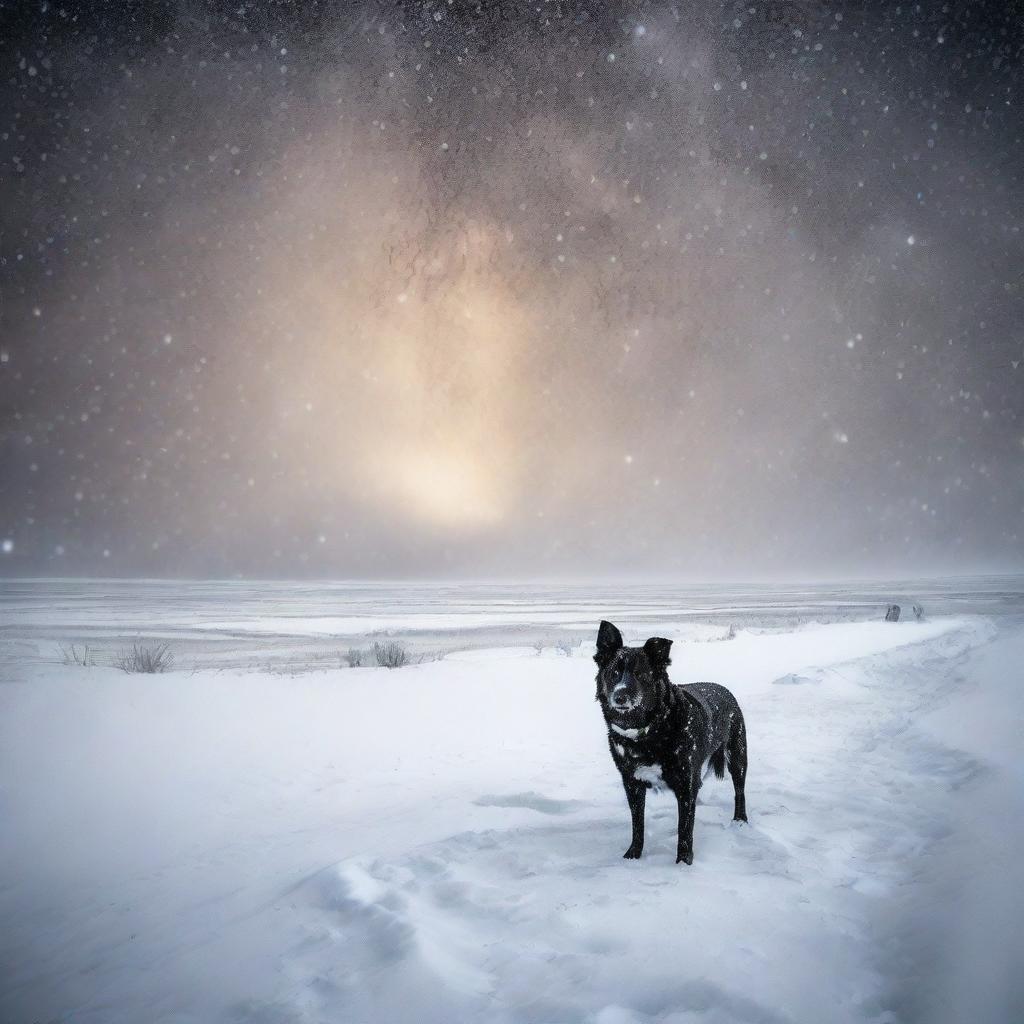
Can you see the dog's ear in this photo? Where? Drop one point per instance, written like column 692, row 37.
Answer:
column 657, row 649
column 609, row 643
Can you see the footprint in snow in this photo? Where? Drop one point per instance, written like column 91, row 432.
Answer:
column 794, row 679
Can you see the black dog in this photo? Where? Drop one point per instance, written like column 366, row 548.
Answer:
column 663, row 735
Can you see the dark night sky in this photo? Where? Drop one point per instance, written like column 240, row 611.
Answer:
column 511, row 288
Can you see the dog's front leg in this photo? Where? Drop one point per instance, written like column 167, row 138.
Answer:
column 686, row 798
column 636, row 794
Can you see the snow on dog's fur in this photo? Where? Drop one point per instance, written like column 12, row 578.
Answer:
column 662, row 735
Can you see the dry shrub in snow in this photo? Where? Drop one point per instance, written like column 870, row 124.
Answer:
column 73, row 656
column 390, row 654
column 145, row 659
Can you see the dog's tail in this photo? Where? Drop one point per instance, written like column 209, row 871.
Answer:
column 717, row 762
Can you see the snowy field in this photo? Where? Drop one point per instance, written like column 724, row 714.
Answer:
column 267, row 835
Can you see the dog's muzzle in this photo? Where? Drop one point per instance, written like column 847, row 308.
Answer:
column 620, row 699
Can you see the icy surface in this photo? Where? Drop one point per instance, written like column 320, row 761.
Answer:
column 443, row 842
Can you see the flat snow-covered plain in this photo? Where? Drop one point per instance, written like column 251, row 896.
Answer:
column 266, row 835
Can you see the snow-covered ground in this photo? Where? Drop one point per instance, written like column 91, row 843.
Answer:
column 252, row 838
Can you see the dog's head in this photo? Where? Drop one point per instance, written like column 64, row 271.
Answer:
column 630, row 679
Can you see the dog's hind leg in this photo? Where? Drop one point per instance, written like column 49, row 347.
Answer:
column 736, row 751
column 636, row 794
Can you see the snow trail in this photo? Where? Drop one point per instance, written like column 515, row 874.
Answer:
column 774, row 921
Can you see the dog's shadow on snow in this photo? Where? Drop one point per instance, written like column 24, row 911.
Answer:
column 531, row 801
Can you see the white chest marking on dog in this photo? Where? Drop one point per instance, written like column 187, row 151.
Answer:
column 650, row 773
column 630, row 734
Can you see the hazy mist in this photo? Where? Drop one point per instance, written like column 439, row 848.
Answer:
column 507, row 288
